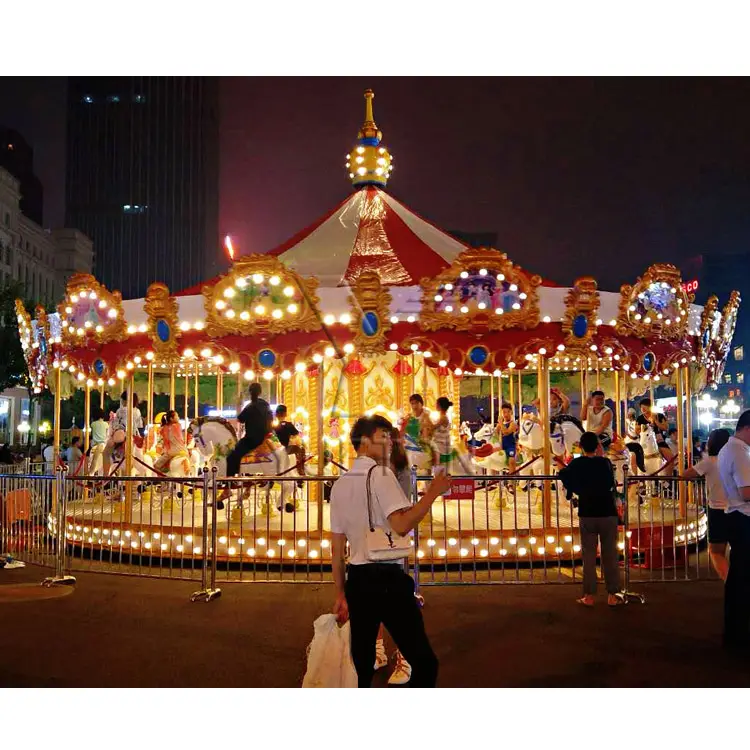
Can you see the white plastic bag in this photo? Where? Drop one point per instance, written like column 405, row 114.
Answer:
column 329, row 656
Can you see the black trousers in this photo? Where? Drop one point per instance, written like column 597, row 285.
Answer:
column 382, row 592
column 737, row 586
column 243, row 447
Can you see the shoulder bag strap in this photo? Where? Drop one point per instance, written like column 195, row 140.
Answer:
column 369, row 497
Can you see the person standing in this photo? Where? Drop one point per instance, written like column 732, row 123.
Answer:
column 74, row 456
column 441, row 436
column 734, row 472
column 99, row 435
column 591, row 478
column 717, row 501
column 372, row 592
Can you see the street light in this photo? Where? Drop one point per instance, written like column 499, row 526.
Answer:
column 44, row 428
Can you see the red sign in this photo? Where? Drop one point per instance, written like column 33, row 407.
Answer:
column 690, row 286
column 461, row 489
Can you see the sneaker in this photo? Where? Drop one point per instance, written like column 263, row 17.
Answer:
column 402, row 673
column 381, row 658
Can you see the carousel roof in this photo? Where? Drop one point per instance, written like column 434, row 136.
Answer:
column 370, row 230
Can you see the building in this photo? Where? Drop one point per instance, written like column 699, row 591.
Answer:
column 17, row 157
column 722, row 272
column 142, row 178
column 42, row 259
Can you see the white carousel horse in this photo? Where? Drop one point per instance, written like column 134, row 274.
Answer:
column 564, row 436
column 619, row 456
column 215, row 438
column 652, row 458
column 417, row 455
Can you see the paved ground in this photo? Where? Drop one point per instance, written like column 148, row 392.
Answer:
column 125, row 632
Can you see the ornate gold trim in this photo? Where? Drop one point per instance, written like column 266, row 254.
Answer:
column 474, row 261
column 224, row 316
column 112, row 328
column 706, row 325
column 369, row 296
column 581, row 300
column 636, row 319
column 159, row 305
column 728, row 323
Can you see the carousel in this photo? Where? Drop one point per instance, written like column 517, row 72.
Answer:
column 353, row 315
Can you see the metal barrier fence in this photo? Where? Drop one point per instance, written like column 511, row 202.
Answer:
column 489, row 529
column 27, row 529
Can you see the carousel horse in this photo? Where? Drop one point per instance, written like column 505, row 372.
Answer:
column 652, row 458
column 564, row 435
column 419, row 454
column 619, row 457
column 216, row 438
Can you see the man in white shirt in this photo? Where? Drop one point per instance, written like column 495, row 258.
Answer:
column 369, row 593
column 734, row 471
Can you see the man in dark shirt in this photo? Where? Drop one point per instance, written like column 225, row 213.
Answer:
column 285, row 431
column 256, row 418
column 591, row 478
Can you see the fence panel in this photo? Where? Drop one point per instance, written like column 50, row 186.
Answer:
column 27, row 525
column 491, row 529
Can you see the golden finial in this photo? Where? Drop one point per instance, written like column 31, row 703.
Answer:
column 369, row 163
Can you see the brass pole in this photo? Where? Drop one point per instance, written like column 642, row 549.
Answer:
column 150, row 402
column 321, row 442
column 689, row 415
column 492, row 400
column 544, row 403
column 187, row 399
column 56, row 438
column 413, row 373
column 598, row 378
column 619, row 419
column 129, row 452
column 220, row 391
column 195, row 405
column 172, row 387
column 511, row 396
column 680, row 438
column 583, row 388
column 101, row 397
column 520, row 394
column 239, row 392
column 426, row 384
column 87, row 418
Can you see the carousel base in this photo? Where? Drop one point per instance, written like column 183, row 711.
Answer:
column 495, row 526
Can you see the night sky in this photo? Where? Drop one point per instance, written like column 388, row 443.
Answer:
column 576, row 176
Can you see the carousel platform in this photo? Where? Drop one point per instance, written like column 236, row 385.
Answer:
column 492, row 526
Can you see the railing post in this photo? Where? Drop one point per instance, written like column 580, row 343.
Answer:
column 60, row 579
column 415, row 498
column 626, row 595
column 208, row 591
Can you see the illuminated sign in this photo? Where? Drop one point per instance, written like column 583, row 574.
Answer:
column 690, row 286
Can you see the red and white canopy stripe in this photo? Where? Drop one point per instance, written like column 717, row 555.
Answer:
column 370, row 230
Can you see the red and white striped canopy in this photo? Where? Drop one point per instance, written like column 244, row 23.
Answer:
column 370, row 230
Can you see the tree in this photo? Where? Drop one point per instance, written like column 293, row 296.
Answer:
column 13, row 370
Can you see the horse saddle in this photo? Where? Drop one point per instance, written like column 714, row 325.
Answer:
column 263, row 453
column 484, row 451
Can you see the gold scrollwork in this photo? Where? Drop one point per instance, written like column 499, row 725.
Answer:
column 160, row 306
column 474, row 292
column 104, row 317
column 705, row 336
column 379, row 394
column 641, row 314
column 581, row 307
column 370, row 303
column 260, row 295
column 728, row 323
